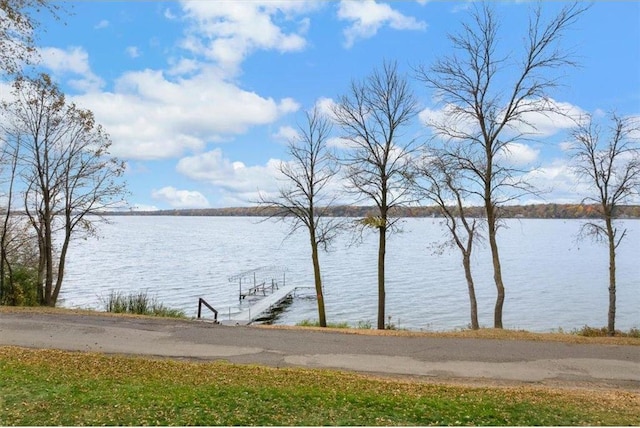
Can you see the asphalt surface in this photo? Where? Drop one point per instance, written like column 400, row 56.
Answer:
column 425, row 358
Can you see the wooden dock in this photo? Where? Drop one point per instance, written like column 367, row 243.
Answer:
column 262, row 305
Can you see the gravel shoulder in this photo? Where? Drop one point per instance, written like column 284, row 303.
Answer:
column 432, row 358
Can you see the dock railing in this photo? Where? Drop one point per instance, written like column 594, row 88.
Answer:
column 255, row 280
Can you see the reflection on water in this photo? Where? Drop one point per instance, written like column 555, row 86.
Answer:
column 551, row 280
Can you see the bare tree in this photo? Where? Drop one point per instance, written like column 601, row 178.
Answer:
column 304, row 199
column 609, row 162
column 372, row 116
column 439, row 181
column 8, row 157
column 67, row 175
column 489, row 99
column 18, row 22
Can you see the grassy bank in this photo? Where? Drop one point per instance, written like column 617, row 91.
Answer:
column 45, row 387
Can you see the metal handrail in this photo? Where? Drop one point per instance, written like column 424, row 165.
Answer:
column 201, row 302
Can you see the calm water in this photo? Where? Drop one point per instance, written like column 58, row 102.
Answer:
column 551, row 280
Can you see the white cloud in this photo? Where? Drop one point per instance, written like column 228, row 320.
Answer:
column 151, row 117
column 560, row 180
column 180, row 198
column 326, row 106
column 286, row 134
column 169, row 14
column 183, row 66
column 547, row 124
column 73, row 61
column 567, row 146
column 368, row 16
column 448, row 117
column 340, row 143
column 102, row 24
column 539, row 124
column 133, row 51
column 234, row 177
column 518, row 154
column 240, row 184
column 227, row 32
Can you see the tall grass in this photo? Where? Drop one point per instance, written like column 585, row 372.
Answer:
column 138, row 303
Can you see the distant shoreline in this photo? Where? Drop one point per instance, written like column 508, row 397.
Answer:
column 534, row 211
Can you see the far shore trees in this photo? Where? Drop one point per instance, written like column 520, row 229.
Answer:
column 489, row 98
column 377, row 160
column 66, row 175
column 608, row 160
column 304, row 197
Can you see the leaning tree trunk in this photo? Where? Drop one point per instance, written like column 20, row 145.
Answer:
column 61, row 267
column 381, row 293
column 611, row 325
column 318, row 281
column 466, row 262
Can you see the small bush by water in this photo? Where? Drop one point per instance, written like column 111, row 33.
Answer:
column 139, row 304
column 587, row 331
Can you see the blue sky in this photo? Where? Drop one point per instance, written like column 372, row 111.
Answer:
column 200, row 97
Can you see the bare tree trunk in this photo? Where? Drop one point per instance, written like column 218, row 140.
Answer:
column 41, row 269
column 61, row 266
column 466, row 262
column 497, row 269
column 381, row 293
column 611, row 324
column 48, row 248
column 318, row 280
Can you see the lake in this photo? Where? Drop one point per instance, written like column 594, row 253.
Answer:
column 552, row 280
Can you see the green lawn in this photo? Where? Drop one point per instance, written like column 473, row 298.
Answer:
column 45, row 387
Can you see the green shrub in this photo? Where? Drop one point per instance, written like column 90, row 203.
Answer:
column 20, row 288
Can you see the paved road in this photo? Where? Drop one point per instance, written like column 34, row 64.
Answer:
column 435, row 359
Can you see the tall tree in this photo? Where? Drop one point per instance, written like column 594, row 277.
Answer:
column 489, row 99
column 9, row 160
column 18, row 22
column 440, row 181
column 608, row 160
column 304, row 198
column 67, row 175
column 377, row 162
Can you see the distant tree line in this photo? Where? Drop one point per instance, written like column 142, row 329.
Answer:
column 542, row 211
